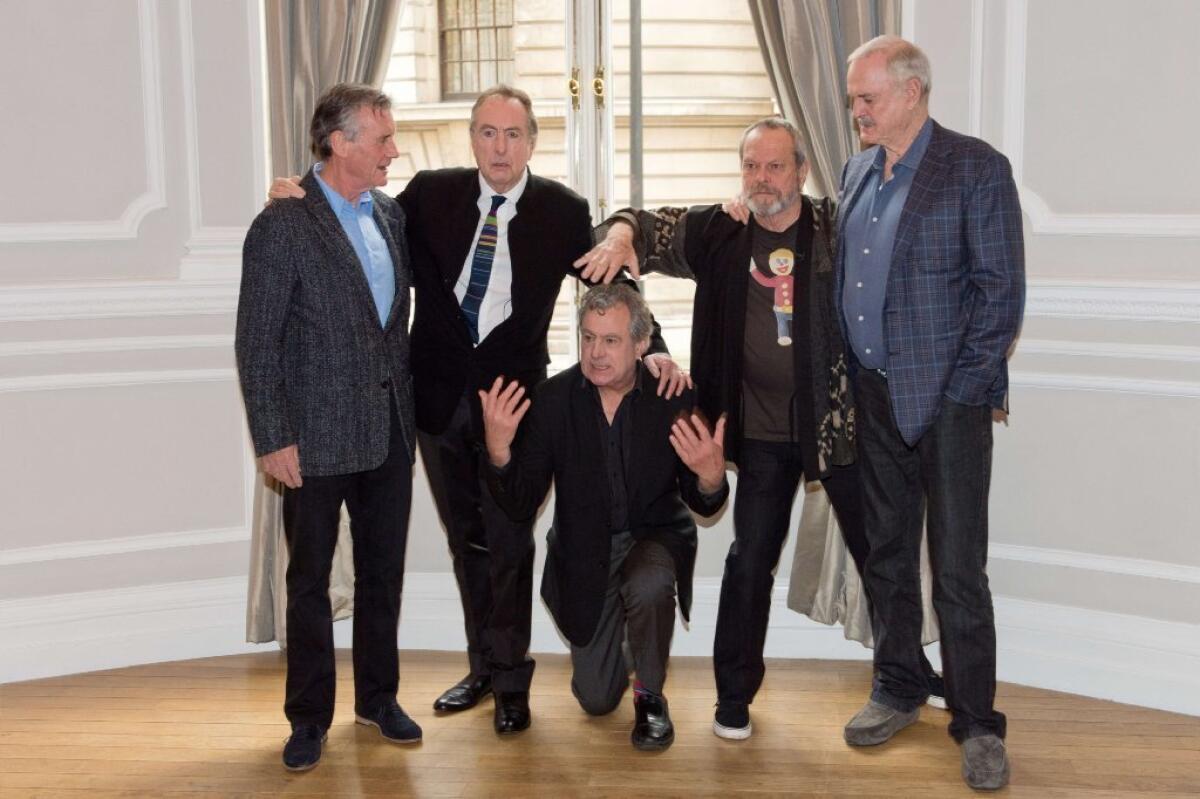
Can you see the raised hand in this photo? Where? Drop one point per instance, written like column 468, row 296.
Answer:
column 701, row 452
column 503, row 410
column 604, row 261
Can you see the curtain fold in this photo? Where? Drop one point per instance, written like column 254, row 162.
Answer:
column 312, row 45
column 804, row 45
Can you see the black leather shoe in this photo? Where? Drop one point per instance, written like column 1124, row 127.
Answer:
column 464, row 695
column 512, row 711
column 393, row 723
column 652, row 728
column 303, row 750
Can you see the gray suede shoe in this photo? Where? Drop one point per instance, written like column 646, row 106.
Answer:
column 876, row 723
column 985, row 763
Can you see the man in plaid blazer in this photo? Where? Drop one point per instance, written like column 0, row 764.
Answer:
column 930, row 289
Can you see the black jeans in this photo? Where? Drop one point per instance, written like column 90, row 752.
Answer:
column 378, row 502
column 492, row 555
column 769, row 473
column 950, row 469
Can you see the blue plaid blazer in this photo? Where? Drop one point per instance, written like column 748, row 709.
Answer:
column 956, row 288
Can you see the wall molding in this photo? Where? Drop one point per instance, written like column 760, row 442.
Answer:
column 1158, row 301
column 87, row 346
column 148, row 377
column 1189, row 389
column 1105, row 349
column 1107, row 564
column 152, row 542
column 155, row 196
column 1092, row 653
column 1042, row 218
column 212, row 252
column 117, row 300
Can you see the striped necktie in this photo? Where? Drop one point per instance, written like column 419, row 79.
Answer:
column 481, row 269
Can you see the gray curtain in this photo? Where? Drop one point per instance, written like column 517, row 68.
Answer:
column 311, row 46
column 804, row 45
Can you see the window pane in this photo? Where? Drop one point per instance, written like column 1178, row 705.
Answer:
column 487, row 75
column 504, row 43
column 450, row 49
column 450, row 14
column 470, row 77
column 487, row 45
column 486, row 14
column 504, row 12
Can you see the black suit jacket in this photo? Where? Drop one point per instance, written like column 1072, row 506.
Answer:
column 560, row 439
column 551, row 229
column 317, row 368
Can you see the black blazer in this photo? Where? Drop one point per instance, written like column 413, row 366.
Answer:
column 560, row 439
column 317, row 369
column 551, row 229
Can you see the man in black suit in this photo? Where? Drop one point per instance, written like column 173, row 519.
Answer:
column 323, row 355
column 623, row 462
column 490, row 247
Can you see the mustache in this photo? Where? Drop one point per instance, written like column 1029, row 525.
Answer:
column 764, row 188
column 865, row 122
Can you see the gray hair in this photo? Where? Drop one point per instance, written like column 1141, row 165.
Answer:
column 601, row 298
column 776, row 123
column 338, row 110
column 508, row 93
column 904, row 60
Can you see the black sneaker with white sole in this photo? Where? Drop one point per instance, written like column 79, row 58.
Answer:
column 732, row 721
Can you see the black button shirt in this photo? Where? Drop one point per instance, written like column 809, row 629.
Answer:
column 617, row 441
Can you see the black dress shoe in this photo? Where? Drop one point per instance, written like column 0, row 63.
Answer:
column 465, row 694
column 652, row 728
column 303, row 750
column 393, row 723
column 512, row 711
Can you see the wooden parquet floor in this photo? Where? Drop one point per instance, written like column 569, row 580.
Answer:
column 214, row 728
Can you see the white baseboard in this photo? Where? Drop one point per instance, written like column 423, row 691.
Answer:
column 1092, row 653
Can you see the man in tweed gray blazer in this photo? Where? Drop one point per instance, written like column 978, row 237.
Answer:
column 323, row 355
column 930, row 286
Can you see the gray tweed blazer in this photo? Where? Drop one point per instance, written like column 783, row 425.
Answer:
column 316, row 367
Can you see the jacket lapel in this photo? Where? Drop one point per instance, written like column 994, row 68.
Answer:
column 585, row 420
column 335, row 238
column 399, row 267
column 920, row 195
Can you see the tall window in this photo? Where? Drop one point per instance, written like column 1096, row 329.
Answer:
column 476, row 45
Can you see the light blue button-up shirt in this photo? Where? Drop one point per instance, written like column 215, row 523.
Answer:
column 870, row 233
column 358, row 220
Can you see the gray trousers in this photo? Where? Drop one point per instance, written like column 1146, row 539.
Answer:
column 639, row 606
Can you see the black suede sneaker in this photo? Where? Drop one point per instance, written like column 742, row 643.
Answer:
column 393, row 723
column 732, row 721
column 302, row 751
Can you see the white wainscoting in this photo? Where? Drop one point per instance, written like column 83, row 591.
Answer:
column 1104, row 655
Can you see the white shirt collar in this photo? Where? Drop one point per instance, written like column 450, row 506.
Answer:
column 512, row 196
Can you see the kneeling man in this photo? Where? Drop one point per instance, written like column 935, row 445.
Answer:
column 623, row 461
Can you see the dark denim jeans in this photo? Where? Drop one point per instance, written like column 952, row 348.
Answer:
column 950, row 469
column 769, row 473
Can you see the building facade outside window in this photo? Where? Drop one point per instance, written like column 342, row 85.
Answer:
column 476, row 45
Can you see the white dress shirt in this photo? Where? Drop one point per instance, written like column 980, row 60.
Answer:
column 497, row 300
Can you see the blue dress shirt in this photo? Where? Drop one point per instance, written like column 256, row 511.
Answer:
column 870, row 233
column 358, row 220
